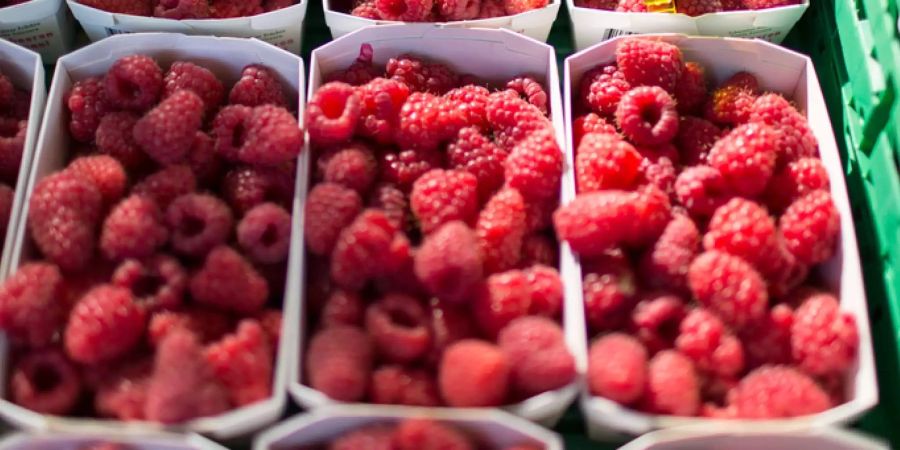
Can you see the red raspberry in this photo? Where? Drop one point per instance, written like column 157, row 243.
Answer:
column 121, row 390
column 265, row 233
column 427, row 434
column 329, row 209
column 105, row 324
column 521, row 6
column 361, row 71
column 342, row 308
column 353, row 166
column 475, row 153
column 768, row 341
column 645, row 62
column 658, row 168
column 459, row 10
column 474, row 373
column 6, row 205
column 229, row 129
column 187, row 75
column 449, row 263
column 271, row 321
column 271, row 137
column 732, row 5
column 7, row 91
column 652, row 213
column 436, row 78
column 12, row 144
column 602, row 89
column 62, row 216
column 228, row 282
column 332, row 114
column 242, row 362
column 182, row 9
column 500, row 230
column 134, row 82
column 590, row 123
column 371, row 437
column 617, row 368
column 539, row 214
column 198, row 223
column 503, row 298
column 631, row 6
column 746, row 158
column 704, row 339
column 538, row 358
column 731, row 103
column 701, row 190
column 538, row 249
column 728, row 286
column 105, row 173
column 690, row 91
column 87, row 105
column 810, row 227
column 472, row 100
column 404, row 11
column 529, row 88
column 425, row 121
column 647, row 116
column 166, row 185
column 398, row 325
column 764, row 4
column 695, row 138
column 441, row 196
column 795, row 180
column 546, row 291
column 774, row 110
column 133, row 229
column 491, row 9
column 204, row 161
column 131, row 7
column 406, row 69
column 513, row 119
column 167, row 131
column 406, row 166
column 157, row 283
column 381, row 100
column 655, row 320
column 207, row 325
column 228, row 9
column 742, row 228
column 449, row 323
column 534, row 166
column 605, row 161
column 29, row 309
column 245, row 187
column 665, row 264
column 259, row 85
column 396, row 385
column 182, row 386
column 339, row 362
column 114, row 137
column 698, row 7
column 672, row 385
column 362, row 249
column 609, row 287
column 824, row 339
column 771, row 392
column 596, row 222
column 45, row 382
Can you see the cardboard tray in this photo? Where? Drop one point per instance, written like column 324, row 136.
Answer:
column 45, row 26
column 134, row 440
column 764, row 437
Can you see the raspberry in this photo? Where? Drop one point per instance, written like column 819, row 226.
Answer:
column 156, row 283
column 590, row 123
column 474, row 152
column 204, row 161
column 729, row 287
column 105, row 324
column 404, row 11
column 771, row 392
column 362, row 249
column 229, row 129
column 732, row 102
column 647, row 116
column 245, row 187
column 521, row 6
column 62, row 216
column 608, row 5
column 354, row 167
column 768, row 341
column 823, row 338
column 332, row 114
column 396, row 385
column 45, row 382
column 242, row 362
column 6, row 205
column 665, row 264
column 270, row 137
column 605, row 161
column 182, row 385
column 538, row 249
column 361, row 71
column 513, row 119
column 776, row 111
column 198, row 223
column 105, row 172
column 529, row 88
column 206, row 325
column 742, row 228
column 746, row 158
column 539, row 214
column 406, row 166
column 538, row 358
column 695, row 138
column 546, row 291
column 704, row 339
column 265, row 233
column 227, row 9
column 419, row 75
column 764, row 4
column 472, row 100
column 228, row 282
column 342, row 308
column 698, row 7
column 690, row 91
column 121, row 390
column 631, row 6
column 425, row 121
column 534, row 166
column 29, row 309
column 473, row 373
column 182, row 9
column 602, row 88
column 329, row 209
column 398, row 325
column 134, row 82
column 381, row 100
column 449, row 323
column 12, row 144
column 258, row 85
column 609, row 287
column 427, row 434
column 448, row 263
column 131, row 7
column 658, row 168
column 7, row 90
column 617, row 368
column 645, row 62
column 133, row 229
column 672, row 385
column 271, row 322
column 115, row 138
column 373, row 437
column 655, row 320
column 441, row 196
column 491, row 9
column 595, row 222
column 339, row 362
column 166, row 185
column 503, row 298
column 795, row 180
column 87, row 105
column 701, row 190
column 459, row 10
column 500, row 230
column 167, row 131
column 810, row 227
column 653, row 212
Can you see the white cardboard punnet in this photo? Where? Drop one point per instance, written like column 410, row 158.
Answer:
column 25, row 70
column 763, row 437
column 282, row 28
column 534, row 24
column 495, row 428
column 80, row 440
column 45, row 26
column 225, row 57
column 494, row 55
column 792, row 74
column 590, row 26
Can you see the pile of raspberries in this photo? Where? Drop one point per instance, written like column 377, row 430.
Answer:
column 699, row 220
column 440, row 10
column 432, row 275
column 411, row 434
column 164, row 245
column 5, row 3
column 188, row 9
column 14, row 107
column 689, row 7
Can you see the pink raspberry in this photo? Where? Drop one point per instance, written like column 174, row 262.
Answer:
column 105, row 324
column 121, row 390
column 655, row 319
column 362, row 249
column 396, row 385
column 448, row 262
column 590, row 123
column 810, row 227
column 731, row 102
column 156, row 283
column 531, row 90
column 742, row 228
column 105, row 173
column 12, row 144
column 795, row 180
column 404, row 10
column 30, row 312
column 441, row 196
column 823, row 338
column 746, row 158
column 167, row 131
column 242, row 361
column 546, row 291
column 425, row 121
column 198, row 223
column 672, row 386
column 342, row 308
column 665, row 264
column 45, row 382
column 353, row 166
column 459, row 10
column 695, row 138
column 115, row 138
column 329, row 209
column 647, row 116
column 645, row 62
column 206, row 325
column 729, row 287
column 500, row 230
column 534, row 166
column 690, row 91
column 596, row 222
column 609, row 287
column 133, row 229
column 228, row 282
column 617, row 368
column 265, row 233
column 167, row 184
column 339, row 362
column 503, row 298
column 406, row 166
column 427, row 434
column 259, row 85
column 475, row 153
column 474, row 373
column 398, row 325
column 602, row 88
column 472, row 100
column 372, row 437
column 538, row 249
column 772, row 392
column 538, row 357
column 87, row 104
column 133, row 82
column 381, row 100
column 631, row 6
column 698, row 7
column 605, row 161
column 704, row 339
column 332, row 114
column 701, row 190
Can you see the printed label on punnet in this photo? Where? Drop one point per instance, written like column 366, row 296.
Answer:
column 612, row 32
column 42, row 36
